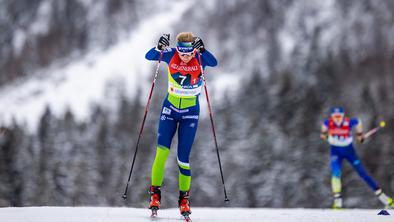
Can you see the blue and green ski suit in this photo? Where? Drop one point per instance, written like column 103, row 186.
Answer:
column 180, row 111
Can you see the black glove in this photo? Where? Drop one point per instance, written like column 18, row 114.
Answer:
column 323, row 136
column 198, row 45
column 360, row 137
column 164, row 42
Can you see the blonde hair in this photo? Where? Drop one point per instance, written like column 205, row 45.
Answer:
column 185, row 37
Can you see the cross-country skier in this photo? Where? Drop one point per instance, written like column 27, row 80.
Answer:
column 180, row 110
column 337, row 130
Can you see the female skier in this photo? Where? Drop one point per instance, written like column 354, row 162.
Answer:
column 337, row 130
column 180, row 110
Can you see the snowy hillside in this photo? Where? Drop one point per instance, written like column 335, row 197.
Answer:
column 98, row 77
column 89, row 214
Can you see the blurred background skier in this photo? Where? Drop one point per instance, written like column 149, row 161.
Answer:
column 337, row 131
column 180, row 110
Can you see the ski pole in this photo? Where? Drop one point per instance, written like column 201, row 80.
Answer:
column 143, row 123
column 212, row 126
column 374, row 130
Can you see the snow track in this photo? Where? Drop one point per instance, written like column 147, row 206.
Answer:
column 102, row 214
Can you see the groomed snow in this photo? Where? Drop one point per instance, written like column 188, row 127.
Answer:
column 102, row 214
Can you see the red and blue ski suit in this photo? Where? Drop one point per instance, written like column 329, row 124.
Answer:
column 341, row 144
column 180, row 111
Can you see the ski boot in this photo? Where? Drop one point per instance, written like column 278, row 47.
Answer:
column 184, row 206
column 155, row 197
column 387, row 201
column 337, row 201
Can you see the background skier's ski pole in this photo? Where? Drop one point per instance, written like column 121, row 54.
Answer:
column 374, row 130
column 213, row 126
column 142, row 125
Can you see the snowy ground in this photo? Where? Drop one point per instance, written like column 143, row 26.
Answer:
column 97, row 214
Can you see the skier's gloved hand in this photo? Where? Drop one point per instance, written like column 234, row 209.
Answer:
column 323, row 136
column 360, row 137
column 198, row 45
column 164, row 42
